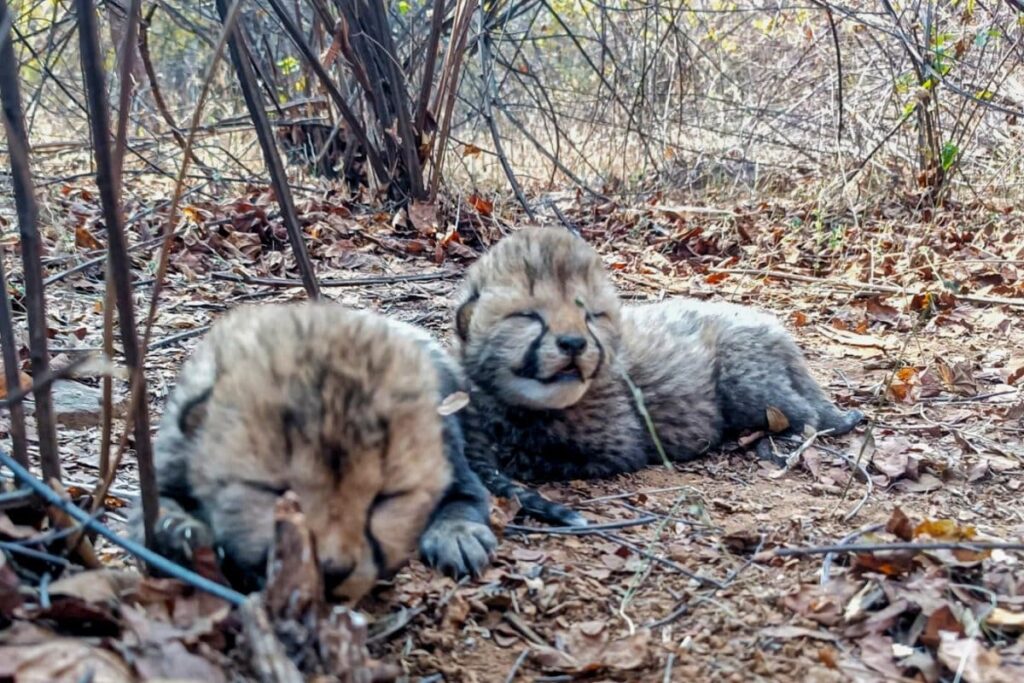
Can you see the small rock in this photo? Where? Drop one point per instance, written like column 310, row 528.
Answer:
column 80, row 406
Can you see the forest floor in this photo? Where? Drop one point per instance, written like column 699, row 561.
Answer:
column 918, row 323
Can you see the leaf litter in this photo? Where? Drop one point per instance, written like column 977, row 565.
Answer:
column 939, row 373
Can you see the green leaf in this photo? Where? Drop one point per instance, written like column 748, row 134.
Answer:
column 949, row 154
column 403, row 7
column 288, row 65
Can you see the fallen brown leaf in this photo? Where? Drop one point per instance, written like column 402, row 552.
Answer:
column 62, row 660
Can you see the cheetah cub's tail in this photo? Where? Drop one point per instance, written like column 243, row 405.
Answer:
column 531, row 502
column 829, row 416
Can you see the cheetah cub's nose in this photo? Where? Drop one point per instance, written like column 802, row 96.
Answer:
column 572, row 344
column 334, row 576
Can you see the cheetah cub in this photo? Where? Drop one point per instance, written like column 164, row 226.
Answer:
column 342, row 408
column 548, row 346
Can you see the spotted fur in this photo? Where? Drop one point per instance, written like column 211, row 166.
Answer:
column 339, row 406
column 545, row 410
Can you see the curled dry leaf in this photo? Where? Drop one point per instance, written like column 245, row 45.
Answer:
column 899, row 525
column 423, row 216
column 777, row 420
column 453, row 403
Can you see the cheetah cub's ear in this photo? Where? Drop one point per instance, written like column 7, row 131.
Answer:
column 335, row 405
column 464, row 314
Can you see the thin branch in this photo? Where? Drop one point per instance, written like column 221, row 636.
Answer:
column 487, row 85
column 31, row 249
column 107, row 181
column 355, row 126
column 278, row 177
column 878, row 547
column 12, row 375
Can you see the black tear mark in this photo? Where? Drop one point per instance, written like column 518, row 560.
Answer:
column 189, row 420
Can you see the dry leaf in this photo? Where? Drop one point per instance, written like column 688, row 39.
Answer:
column 715, row 278
column 900, row 525
column 85, row 240
column 590, row 649
column 1004, row 618
column 777, row 420
column 25, row 380
column 453, row 403
column 973, row 662
column 483, row 207
column 62, row 660
column 423, row 216
column 471, row 150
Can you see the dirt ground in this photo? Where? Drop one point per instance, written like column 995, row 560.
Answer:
column 681, row 577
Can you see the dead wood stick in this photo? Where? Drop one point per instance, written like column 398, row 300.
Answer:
column 268, row 656
column 876, row 547
column 353, row 282
column 865, row 286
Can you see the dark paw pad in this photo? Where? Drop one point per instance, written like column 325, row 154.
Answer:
column 178, row 535
column 458, row 547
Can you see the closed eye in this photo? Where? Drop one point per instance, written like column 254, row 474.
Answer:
column 382, row 498
column 594, row 316
column 268, row 487
column 530, row 315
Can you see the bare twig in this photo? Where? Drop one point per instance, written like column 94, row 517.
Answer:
column 516, row 665
column 278, row 178
column 12, row 375
column 878, row 547
column 107, row 180
column 859, row 468
column 31, row 247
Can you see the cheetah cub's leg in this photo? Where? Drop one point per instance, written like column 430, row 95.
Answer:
column 458, row 540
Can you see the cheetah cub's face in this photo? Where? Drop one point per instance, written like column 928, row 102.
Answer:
column 337, row 406
column 538, row 319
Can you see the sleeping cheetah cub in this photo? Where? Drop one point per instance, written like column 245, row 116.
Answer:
column 547, row 346
column 340, row 407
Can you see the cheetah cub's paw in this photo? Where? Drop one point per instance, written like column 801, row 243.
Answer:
column 179, row 535
column 457, row 547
